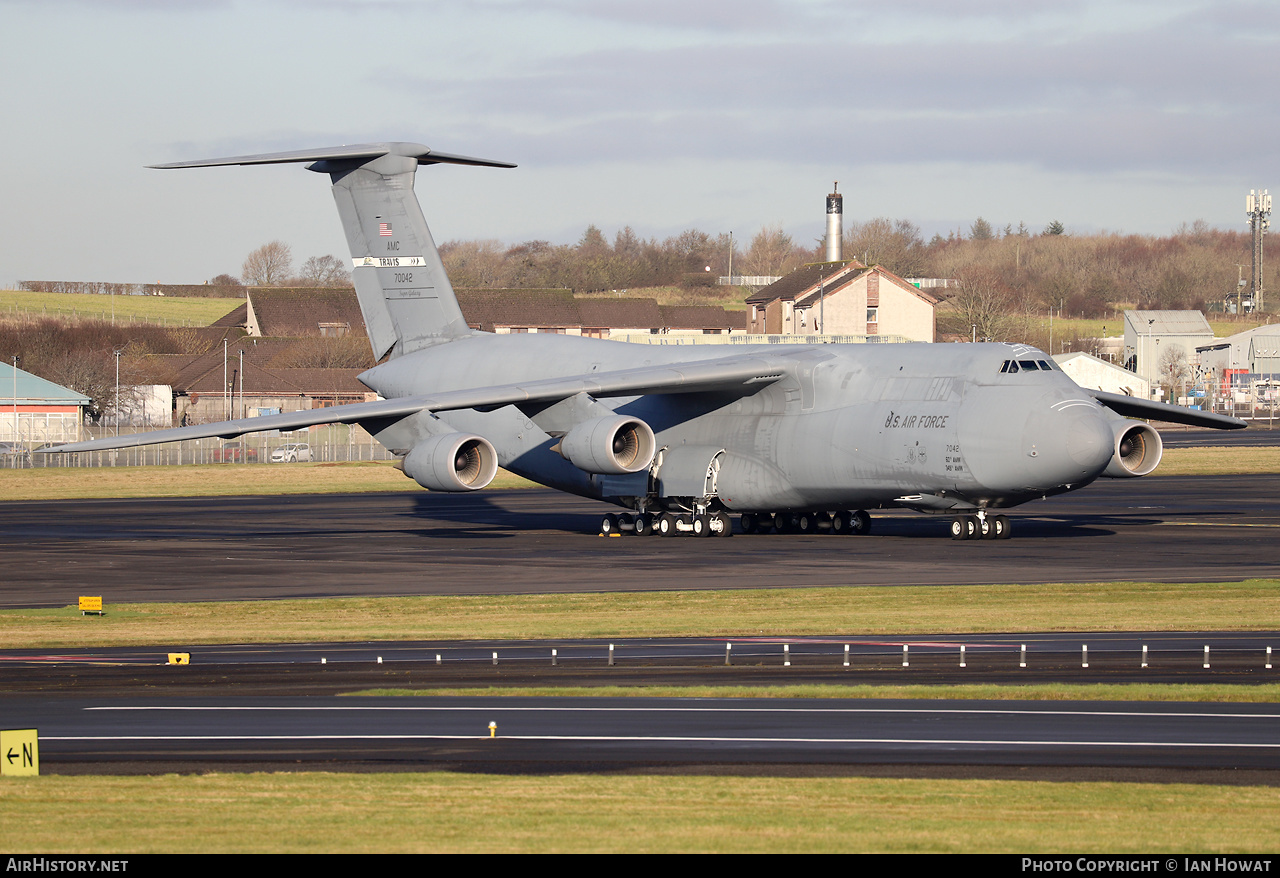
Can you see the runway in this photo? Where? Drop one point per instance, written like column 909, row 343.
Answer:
column 562, row 734
column 1171, row 529
column 1162, row 528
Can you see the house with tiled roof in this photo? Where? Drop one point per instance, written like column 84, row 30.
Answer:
column 843, row 298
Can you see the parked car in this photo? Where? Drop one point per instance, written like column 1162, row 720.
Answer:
column 230, row 453
column 291, row 453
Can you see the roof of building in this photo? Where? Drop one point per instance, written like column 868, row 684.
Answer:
column 1169, row 323
column 34, row 390
column 802, row 279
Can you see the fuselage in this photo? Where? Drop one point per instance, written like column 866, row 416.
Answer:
column 933, row 427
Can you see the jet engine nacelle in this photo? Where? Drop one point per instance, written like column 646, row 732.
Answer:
column 610, row 446
column 1137, row 450
column 452, row 462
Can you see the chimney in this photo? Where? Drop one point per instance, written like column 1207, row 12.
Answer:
column 835, row 223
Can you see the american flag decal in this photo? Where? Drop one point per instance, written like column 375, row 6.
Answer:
column 384, row 230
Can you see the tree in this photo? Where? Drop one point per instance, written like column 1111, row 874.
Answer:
column 325, row 271
column 268, row 266
column 1055, row 228
column 981, row 230
column 1173, row 367
column 224, row 280
column 989, row 306
column 894, row 244
column 770, row 254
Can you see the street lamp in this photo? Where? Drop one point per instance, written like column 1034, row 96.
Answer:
column 117, row 353
column 15, row 399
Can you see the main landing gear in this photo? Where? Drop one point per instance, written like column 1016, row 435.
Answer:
column 842, row 522
column 669, row 524
column 980, row 527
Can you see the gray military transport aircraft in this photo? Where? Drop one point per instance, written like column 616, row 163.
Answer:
column 793, row 437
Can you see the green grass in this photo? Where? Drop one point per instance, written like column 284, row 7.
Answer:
column 1267, row 693
column 444, row 812
column 213, row 480
column 164, row 310
column 854, row 611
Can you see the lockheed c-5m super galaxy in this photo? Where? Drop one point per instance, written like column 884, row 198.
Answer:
column 791, row 437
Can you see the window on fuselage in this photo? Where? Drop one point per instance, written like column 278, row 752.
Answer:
column 1028, row 365
column 1009, row 366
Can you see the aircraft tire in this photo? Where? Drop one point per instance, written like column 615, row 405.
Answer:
column 726, row 525
column 667, row 525
column 986, row 528
column 959, row 528
column 643, row 525
column 860, row 523
column 1000, row 526
column 807, row 523
column 748, row 520
column 841, row 522
column 701, row 526
column 609, row 525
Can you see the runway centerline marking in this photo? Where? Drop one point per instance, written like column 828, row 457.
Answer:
column 677, row 739
column 726, row 709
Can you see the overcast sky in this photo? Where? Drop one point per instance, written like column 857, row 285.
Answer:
column 1122, row 115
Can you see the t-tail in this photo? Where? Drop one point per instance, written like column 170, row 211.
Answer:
column 405, row 295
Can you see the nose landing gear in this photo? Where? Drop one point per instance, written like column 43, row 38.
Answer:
column 980, row 527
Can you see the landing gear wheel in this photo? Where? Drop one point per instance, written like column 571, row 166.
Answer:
column 702, row 525
column 724, row 524
column 748, row 520
column 860, row 523
column 807, row 523
column 986, row 528
column 609, row 525
column 964, row 527
column 667, row 524
column 643, row 526
column 1000, row 527
column 841, row 522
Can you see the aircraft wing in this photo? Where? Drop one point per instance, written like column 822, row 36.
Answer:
column 1133, row 407
column 724, row 373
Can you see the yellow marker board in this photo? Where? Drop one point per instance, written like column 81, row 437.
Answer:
column 179, row 658
column 90, row 604
column 19, row 752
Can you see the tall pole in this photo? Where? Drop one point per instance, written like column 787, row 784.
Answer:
column 730, row 258
column 1258, row 209
column 226, row 387
column 117, row 353
column 15, row 398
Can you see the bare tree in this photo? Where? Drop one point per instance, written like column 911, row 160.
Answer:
column 268, row 266
column 324, row 271
column 988, row 305
column 770, row 253
column 1173, row 367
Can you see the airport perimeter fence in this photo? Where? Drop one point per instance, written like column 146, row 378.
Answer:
column 332, row 443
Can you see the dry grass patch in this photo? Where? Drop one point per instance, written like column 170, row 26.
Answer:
column 1113, row 606
column 438, row 813
column 1218, row 461
column 1267, row 693
column 213, row 480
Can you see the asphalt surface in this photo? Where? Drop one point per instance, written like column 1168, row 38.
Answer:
column 271, row 707
column 1172, row 529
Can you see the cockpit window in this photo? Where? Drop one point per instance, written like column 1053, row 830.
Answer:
column 1028, row 365
column 1009, row 366
column 1044, row 364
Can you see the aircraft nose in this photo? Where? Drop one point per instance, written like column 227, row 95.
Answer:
column 1073, row 441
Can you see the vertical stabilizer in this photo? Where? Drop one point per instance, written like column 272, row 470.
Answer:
column 405, row 295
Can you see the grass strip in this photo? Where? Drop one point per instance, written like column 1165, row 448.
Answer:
column 214, row 480
column 853, row 610
column 315, row 812
column 1264, row 693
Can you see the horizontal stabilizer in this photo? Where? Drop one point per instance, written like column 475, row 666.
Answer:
column 1133, row 407
column 726, row 373
column 355, row 152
